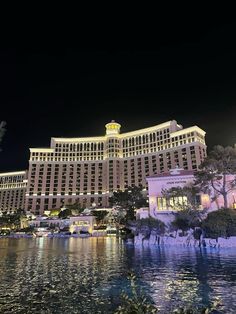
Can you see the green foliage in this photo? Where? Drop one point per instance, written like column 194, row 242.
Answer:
column 100, row 215
column 180, row 223
column 186, row 219
column 130, row 199
column 130, row 215
column 197, row 233
column 197, row 310
column 117, row 216
column 150, row 225
column 189, row 191
column 65, row 213
column 12, row 220
column 71, row 210
column 220, row 223
column 212, row 176
column 75, row 208
column 137, row 303
column 126, row 233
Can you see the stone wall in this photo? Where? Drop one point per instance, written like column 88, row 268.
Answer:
column 185, row 241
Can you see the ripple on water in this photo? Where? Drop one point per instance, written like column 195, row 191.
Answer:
column 87, row 275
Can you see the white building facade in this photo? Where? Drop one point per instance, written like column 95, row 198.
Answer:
column 89, row 169
column 158, row 204
column 74, row 223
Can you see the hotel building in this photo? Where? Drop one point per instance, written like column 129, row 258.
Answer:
column 89, row 169
column 12, row 191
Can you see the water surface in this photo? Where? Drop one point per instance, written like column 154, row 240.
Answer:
column 87, row 275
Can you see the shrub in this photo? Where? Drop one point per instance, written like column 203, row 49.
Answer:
column 137, row 303
column 220, row 223
column 148, row 225
column 197, row 233
column 186, row 219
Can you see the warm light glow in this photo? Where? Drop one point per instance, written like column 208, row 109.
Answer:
column 112, row 128
column 205, row 200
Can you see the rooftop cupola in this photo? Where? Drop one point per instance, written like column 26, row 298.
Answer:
column 112, row 128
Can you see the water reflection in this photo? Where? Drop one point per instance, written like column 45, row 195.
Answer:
column 86, row 275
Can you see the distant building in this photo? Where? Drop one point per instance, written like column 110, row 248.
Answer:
column 89, row 169
column 73, row 223
column 12, row 191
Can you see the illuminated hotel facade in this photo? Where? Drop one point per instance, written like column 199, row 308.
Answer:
column 88, row 170
column 12, row 191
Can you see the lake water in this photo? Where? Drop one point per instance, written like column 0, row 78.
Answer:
column 87, row 275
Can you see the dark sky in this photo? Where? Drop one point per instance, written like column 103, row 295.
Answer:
column 188, row 73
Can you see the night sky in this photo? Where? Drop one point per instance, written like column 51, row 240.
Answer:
column 187, row 74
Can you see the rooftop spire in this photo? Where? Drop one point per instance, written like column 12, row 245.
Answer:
column 112, row 128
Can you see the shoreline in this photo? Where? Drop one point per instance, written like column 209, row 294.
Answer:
column 222, row 243
column 53, row 236
column 184, row 241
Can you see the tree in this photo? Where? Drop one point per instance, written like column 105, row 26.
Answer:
column 117, row 216
column 137, row 302
column 130, row 199
column 220, row 223
column 217, row 174
column 100, row 215
column 180, row 193
column 75, row 208
column 2, row 130
column 150, row 225
column 186, row 219
column 12, row 220
column 65, row 213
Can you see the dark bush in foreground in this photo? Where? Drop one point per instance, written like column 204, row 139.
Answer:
column 136, row 303
column 139, row 303
column 220, row 223
column 150, row 225
column 186, row 219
